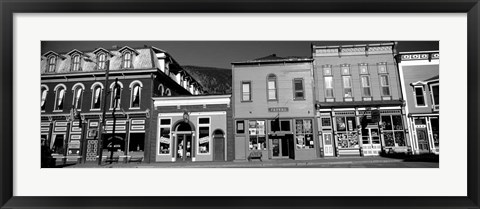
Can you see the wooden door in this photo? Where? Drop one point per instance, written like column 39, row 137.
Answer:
column 219, row 148
column 327, row 144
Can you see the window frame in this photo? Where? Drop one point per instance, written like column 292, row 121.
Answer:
column 76, row 65
column 43, row 99
column 382, row 64
column 326, row 88
column 249, row 91
column 200, row 125
column 75, row 99
column 365, row 87
column 416, row 96
column 435, row 105
column 58, row 88
column 304, row 134
column 385, row 86
column 132, row 86
column 393, row 130
column 128, row 61
column 366, row 67
column 350, row 83
column 272, row 77
column 257, row 135
column 113, row 95
column 295, row 91
column 51, row 69
column 102, row 63
column 236, row 126
column 93, row 88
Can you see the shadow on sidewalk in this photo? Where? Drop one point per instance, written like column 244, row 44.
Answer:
column 412, row 158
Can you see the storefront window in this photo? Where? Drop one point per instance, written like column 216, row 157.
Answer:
column 435, row 131
column 256, row 128
column 204, row 140
column 204, row 135
column 393, row 131
column 346, row 132
column 304, row 134
column 165, row 136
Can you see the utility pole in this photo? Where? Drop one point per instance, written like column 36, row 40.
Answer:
column 116, row 96
column 103, row 125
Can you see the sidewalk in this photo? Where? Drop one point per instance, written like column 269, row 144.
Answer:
column 246, row 164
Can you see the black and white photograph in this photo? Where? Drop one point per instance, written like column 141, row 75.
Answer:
column 240, row 104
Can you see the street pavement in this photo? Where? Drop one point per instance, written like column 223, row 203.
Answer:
column 333, row 162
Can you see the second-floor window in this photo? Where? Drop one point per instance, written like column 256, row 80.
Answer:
column 76, row 63
column 60, row 99
column 77, row 99
column 246, row 91
column 116, row 95
column 419, row 96
column 52, row 61
column 328, row 86
column 272, row 87
column 366, row 86
column 136, row 90
column 299, row 93
column 96, row 97
column 385, row 85
column 102, row 61
column 44, row 99
column 347, row 86
column 127, row 60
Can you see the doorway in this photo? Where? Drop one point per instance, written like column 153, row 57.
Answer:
column 328, row 144
column 219, row 145
column 282, row 146
column 371, row 141
column 184, row 143
column 422, row 140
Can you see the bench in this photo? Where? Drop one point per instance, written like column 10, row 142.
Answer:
column 135, row 159
column 255, row 155
column 111, row 160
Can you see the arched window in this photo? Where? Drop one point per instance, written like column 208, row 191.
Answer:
column 77, row 96
column 52, row 61
column 116, row 95
column 60, row 97
column 96, row 95
column 44, row 92
column 76, row 62
column 135, row 95
column 127, row 60
column 168, row 92
column 102, row 59
column 161, row 90
column 272, row 87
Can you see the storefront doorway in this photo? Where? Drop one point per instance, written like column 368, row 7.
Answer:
column 328, row 144
column 422, row 139
column 282, row 146
column 371, row 141
column 219, row 144
column 184, row 145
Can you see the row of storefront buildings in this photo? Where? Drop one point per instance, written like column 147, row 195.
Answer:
column 351, row 100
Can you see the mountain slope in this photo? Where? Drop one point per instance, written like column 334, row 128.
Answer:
column 214, row 80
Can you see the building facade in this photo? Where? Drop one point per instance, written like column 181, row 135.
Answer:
column 274, row 108
column 359, row 106
column 73, row 89
column 419, row 73
column 192, row 128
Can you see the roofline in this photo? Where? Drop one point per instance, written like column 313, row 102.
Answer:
column 353, row 45
column 419, row 52
column 273, row 61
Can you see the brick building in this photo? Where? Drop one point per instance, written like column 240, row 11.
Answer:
column 419, row 73
column 74, row 82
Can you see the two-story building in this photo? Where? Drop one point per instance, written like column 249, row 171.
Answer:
column 419, row 73
column 359, row 108
column 273, row 102
column 75, row 82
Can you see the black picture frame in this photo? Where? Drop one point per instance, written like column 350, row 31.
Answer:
column 10, row 7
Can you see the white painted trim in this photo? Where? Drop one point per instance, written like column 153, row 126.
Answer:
column 180, row 114
column 135, row 82
column 210, row 138
column 96, row 84
column 419, row 62
column 423, row 94
column 60, row 85
column 188, row 101
column 44, row 86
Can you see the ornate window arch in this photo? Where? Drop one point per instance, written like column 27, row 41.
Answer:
column 60, row 91
column 161, row 89
column 168, row 92
column 76, row 62
column 116, row 97
column 135, row 93
column 97, row 89
column 44, row 91
column 51, row 63
column 127, row 59
column 78, row 90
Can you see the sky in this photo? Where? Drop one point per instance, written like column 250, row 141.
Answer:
column 221, row 54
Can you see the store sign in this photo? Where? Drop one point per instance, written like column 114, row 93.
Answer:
column 278, row 109
column 74, row 145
